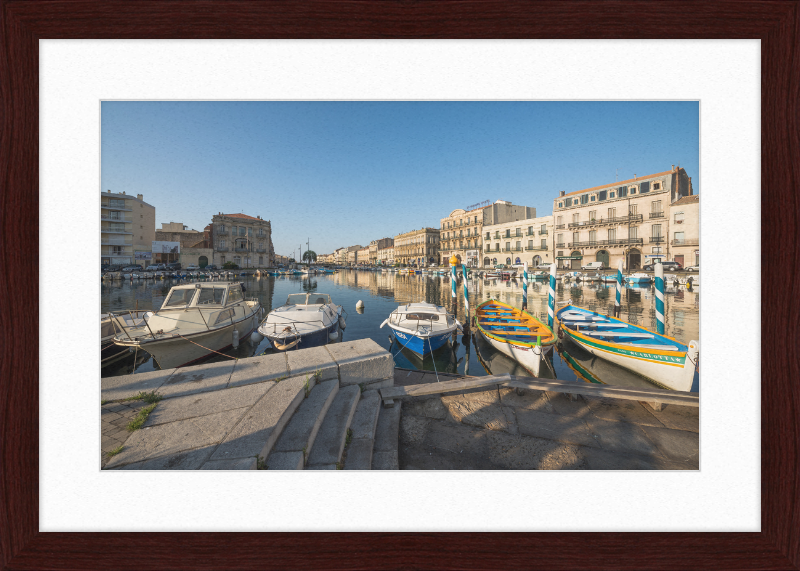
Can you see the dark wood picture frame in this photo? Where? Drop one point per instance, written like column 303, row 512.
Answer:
column 24, row 22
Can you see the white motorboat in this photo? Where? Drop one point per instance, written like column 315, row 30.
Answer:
column 421, row 327
column 110, row 351
column 305, row 320
column 194, row 321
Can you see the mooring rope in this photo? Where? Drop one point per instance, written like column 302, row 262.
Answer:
column 206, row 348
column 433, row 359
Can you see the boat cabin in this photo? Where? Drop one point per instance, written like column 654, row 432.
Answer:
column 308, row 299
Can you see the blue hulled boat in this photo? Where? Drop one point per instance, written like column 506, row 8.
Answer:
column 421, row 327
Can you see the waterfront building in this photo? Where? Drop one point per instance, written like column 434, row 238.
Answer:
column 684, row 222
column 462, row 230
column 242, row 239
column 127, row 229
column 418, row 247
column 278, row 259
column 179, row 233
column 386, row 256
column 625, row 220
column 363, row 256
column 352, row 255
column 528, row 240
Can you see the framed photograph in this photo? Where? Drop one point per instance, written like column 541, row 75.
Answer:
column 26, row 543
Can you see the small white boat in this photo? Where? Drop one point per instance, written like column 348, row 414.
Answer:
column 305, row 320
column 639, row 278
column 194, row 322
column 421, row 327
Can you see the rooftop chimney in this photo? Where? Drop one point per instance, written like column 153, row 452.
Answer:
column 123, row 192
column 562, row 193
column 673, row 167
column 140, row 197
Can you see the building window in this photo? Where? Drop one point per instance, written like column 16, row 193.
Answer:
column 656, row 185
column 530, row 243
column 593, row 198
column 561, row 205
column 622, row 192
column 544, row 243
column 612, row 235
column 656, row 230
column 576, row 237
column 585, row 199
column 568, row 202
column 222, row 243
column 592, row 214
column 593, row 236
column 633, row 232
column 679, row 218
column 631, row 190
column 602, row 195
column 508, row 246
column 575, row 218
column 644, row 187
column 487, row 236
column 560, row 238
column 634, row 208
column 611, row 194
column 655, row 206
column 519, row 245
column 223, row 260
column 519, row 232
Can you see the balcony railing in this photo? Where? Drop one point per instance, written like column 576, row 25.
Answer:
column 542, row 232
column 686, row 242
column 221, row 232
column 535, row 248
column 615, row 220
column 514, row 249
column 261, row 250
column 529, row 233
column 222, row 249
column 497, row 235
column 656, row 215
column 559, row 226
column 560, row 245
column 109, row 231
column 617, row 242
column 108, row 242
column 115, row 219
column 656, row 239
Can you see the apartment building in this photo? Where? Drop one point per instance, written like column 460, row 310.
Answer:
column 418, row 247
column 625, row 220
column 352, row 255
column 127, row 228
column 364, row 256
column 684, row 231
column 242, row 239
column 530, row 240
column 462, row 230
column 386, row 256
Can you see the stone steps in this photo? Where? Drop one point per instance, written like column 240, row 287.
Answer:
column 330, row 441
column 384, row 455
column 297, row 440
column 365, row 421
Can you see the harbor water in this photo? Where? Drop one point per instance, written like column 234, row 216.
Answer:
column 382, row 292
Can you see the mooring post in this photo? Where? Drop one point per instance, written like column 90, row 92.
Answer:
column 525, row 286
column 551, row 297
column 466, row 301
column 660, row 298
column 618, row 302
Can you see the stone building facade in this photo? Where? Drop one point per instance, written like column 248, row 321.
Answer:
column 684, row 231
column 386, row 256
column 529, row 240
column 127, row 229
column 462, row 230
column 626, row 220
column 418, row 247
column 352, row 255
column 363, row 256
column 242, row 239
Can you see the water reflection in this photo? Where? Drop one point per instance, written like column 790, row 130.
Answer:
column 382, row 292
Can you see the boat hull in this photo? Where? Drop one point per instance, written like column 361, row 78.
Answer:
column 315, row 338
column 420, row 345
column 529, row 357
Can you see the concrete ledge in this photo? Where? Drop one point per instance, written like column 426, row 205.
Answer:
column 361, row 361
column 258, row 369
column 309, row 361
column 197, row 379
column 301, row 431
column 387, row 431
column 124, row 386
column 285, row 461
column 233, row 464
column 193, row 406
column 330, row 441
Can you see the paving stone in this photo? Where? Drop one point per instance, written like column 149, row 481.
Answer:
column 121, row 435
column 361, row 361
column 365, row 418
column 388, row 428
column 678, row 445
column 329, row 445
column 528, row 399
column 302, row 429
column 179, row 408
column 309, row 361
column 259, row 369
column 429, row 408
column 257, row 432
column 620, row 410
column 597, row 459
column 564, row 406
column 566, row 429
column 124, row 386
column 190, row 460
column 521, row 452
column 481, row 409
column 285, row 461
column 511, row 419
column 359, row 455
column 107, row 441
column 678, row 417
column 197, row 379
column 413, row 429
column 622, row 437
column 231, row 464
column 114, row 407
column 176, row 437
column 109, row 416
column 385, row 460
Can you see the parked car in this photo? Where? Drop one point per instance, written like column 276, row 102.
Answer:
column 693, row 269
column 132, row 268
column 594, row 266
column 174, row 266
column 211, row 268
column 672, row 266
column 192, row 268
column 152, row 268
column 543, row 267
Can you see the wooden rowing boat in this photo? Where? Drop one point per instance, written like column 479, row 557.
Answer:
column 515, row 333
column 664, row 360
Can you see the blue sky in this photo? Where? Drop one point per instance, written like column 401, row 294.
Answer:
column 345, row 173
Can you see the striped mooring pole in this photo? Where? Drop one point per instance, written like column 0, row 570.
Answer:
column 466, row 300
column 618, row 302
column 660, row 298
column 453, row 276
column 525, row 286
column 551, row 297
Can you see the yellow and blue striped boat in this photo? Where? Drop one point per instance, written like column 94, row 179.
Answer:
column 515, row 333
column 664, row 360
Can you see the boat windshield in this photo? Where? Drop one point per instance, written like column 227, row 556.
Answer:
column 211, row 295
column 296, row 299
column 180, row 297
column 318, row 299
column 421, row 316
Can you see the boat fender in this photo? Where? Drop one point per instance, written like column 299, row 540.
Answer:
column 333, row 336
column 385, row 321
column 342, row 323
column 235, row 338
column 255, row 337
column 359, row 303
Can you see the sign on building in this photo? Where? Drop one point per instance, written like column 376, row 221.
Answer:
column 166, row 247
column 143, row 255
